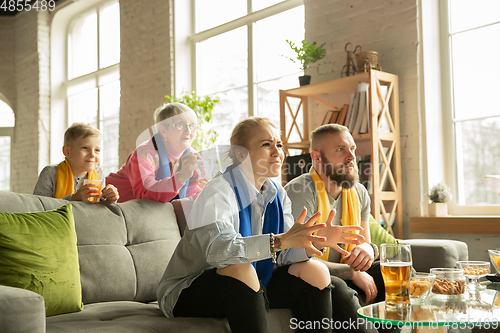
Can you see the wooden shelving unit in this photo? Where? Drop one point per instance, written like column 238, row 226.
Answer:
column 383, row 146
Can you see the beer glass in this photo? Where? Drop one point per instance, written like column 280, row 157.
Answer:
column 395, row 264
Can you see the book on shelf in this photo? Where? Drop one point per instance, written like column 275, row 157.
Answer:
column 349, row 110
column 359, row 110
column 365, row 125
column 354, row 110
column 335, row 117
column 359, row 114
column 330, row 117
column 342, row 114
column 327, row 117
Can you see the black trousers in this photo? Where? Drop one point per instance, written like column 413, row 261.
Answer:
column 216, row 296
column 376, row 274
column 345, row 305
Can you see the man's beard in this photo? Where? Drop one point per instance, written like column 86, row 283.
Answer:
column 338, row 176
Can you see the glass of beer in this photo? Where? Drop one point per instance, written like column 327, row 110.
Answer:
column 395, row 264
column 96, row 183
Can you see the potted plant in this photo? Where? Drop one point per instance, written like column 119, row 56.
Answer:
column 307, row 55
column 203, row 107
column 439, row 195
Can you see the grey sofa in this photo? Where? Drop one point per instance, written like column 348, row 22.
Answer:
column 123, row 251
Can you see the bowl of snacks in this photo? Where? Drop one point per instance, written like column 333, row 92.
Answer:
column 449, row 282
column 495, row 259
column 420, row 285
column 474, row 269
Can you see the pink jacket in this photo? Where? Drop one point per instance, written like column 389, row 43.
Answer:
column 136, row 179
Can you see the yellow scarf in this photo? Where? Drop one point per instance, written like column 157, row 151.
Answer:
column 64, row 179
column 351, row 213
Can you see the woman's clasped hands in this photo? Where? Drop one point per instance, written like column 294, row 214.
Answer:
column 302, row 234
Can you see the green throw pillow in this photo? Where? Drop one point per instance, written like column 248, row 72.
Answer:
column 38, row 252
column 379, row 235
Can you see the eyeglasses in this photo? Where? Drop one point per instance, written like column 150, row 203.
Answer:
column 181, row 126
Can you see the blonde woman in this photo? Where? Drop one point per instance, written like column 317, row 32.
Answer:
column 242, row 252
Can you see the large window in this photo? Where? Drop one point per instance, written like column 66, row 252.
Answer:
column 6, row 132
column 93, row 86
column 240, row 48
column 472, row 37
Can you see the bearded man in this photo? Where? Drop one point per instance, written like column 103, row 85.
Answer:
column 332, row 184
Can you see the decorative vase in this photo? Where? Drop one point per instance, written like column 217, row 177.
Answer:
column 438, row 209
column 304, row 80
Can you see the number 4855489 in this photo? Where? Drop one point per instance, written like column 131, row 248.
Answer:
column 27, row 5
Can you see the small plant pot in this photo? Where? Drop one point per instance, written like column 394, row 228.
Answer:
column 304, row 80
column 438, row 209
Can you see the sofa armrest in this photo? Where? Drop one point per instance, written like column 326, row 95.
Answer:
column 21, row 311
column 431, row 253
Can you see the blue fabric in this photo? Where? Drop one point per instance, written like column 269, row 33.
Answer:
column 274, row 220
column 164, row 167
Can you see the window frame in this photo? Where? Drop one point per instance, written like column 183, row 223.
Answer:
column 248, row 20
column 450, row 143
column 8, row 131
column 60, row 69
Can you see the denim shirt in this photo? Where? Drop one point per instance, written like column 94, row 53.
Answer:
column 212, row 240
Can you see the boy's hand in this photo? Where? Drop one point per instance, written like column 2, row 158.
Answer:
column 85, row 193
column 111, row 193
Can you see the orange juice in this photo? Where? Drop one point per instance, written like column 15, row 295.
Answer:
column 95, row 184
column 496, row 302
column 496, row 260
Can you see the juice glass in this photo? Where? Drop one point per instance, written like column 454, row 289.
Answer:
column 395, row 265
column 97, row 184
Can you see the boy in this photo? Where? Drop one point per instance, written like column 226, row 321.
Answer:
column 82, row 146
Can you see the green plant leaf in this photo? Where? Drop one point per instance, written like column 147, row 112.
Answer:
column 307, row 54
column 439, row 193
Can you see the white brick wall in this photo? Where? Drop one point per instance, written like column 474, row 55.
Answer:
column 43, row 89
column 145, row 70
column 32, row 110
column 390, row 28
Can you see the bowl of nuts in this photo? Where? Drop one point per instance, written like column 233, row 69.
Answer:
column 420, row 285
column 474, row 269
column 449, row 282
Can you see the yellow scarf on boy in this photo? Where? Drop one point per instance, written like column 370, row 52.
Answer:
column 351, row 213
column 64, row 179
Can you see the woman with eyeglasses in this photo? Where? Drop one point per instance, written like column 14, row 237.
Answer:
column 165, row 167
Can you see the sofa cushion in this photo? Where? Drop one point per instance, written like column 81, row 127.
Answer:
column 123, row 248
column 436, row 253
column 38, row 253
column 21, row 311
column 379, row 235
column 134, row 317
